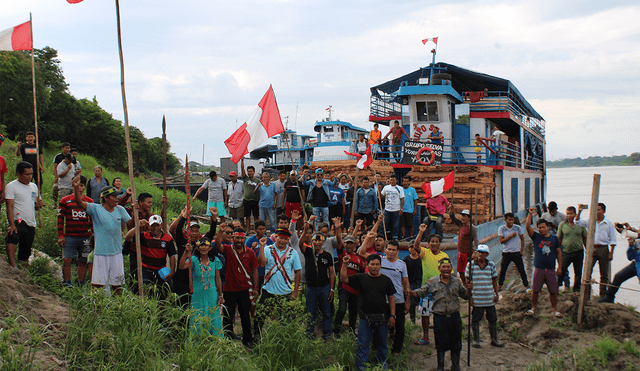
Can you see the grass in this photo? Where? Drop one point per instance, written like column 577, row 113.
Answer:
column 19, row 340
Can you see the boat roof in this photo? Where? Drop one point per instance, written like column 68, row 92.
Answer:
column 319, row 124
column 462, row 80
column 289, row 131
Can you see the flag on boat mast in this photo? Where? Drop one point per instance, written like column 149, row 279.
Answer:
column 434, row 39
column 16, row 38
column 363, row 160
column 263, row 123
column 432, row 189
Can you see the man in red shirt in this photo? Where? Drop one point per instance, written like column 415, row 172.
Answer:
column 467, row 241
column 74, row 236
column 347, row 294
column 241, row 283
column 396, row 137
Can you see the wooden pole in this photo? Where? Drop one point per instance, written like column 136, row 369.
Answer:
column 36, row 172
column 164, row 172
column 187, row 187
column 355, row 195
column 304, row 213
column 129, row 153
column 475, row 215
column 585, row 288
column 381, row 211
column 471, row 278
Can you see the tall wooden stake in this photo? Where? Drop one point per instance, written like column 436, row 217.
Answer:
column 164, row 172
column 355, row 195
column 585, row 288
column 36, row 172
column 304, row 213
column 384, row 226
column 129, row 153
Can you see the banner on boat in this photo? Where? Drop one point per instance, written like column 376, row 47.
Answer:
column 422, row 153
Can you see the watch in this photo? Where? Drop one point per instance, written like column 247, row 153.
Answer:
column 393, row 316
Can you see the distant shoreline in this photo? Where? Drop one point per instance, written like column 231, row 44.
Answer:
column 603, row 165
column 596, row 161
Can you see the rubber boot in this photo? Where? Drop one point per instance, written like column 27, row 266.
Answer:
column 476, row 335
column 440, row 361
column 493, row 330
column 455, row 360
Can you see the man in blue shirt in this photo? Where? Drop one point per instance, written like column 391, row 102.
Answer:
column 410, row 207
column 366, row 202
column 337, row 206
column 267, row 203
column 109, row 220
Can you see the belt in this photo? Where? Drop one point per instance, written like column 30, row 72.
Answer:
column 600, row 245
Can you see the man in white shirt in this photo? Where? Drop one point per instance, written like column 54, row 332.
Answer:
column 22, row 202
column 216, row 188
column 66, row 172
column 234, row 198
column 605, row 236
column 393, row 204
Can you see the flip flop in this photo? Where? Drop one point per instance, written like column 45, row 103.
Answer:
column 422, row 342
column 558, row 315
column 530, row 312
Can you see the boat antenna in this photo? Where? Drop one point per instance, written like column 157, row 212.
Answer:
column 330, row 110
column 286, row 122
column 295, row 123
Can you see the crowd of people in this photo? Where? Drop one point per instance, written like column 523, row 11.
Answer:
column 263, row 248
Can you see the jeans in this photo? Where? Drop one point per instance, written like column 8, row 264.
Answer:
column 319, row 296
column 398, row 336
column 601, row 255
column 392, row 222
column 347, row 300
column 240, row 299
column 322, row 215
column 626, row 273
column 434, row 223
column 507, row 258
column 269, row 212
column 365, row 333
column 577, row 258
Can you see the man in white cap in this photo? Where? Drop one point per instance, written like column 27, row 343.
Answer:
column 482, row 288
column 467, row 240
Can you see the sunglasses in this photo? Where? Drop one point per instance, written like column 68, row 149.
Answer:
column 205, row 243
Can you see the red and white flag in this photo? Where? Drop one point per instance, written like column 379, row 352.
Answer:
column 432, row 189
column 74, row 1
column 16, row 38
column 329, row 108
column 363, row 160
column 263, row 123
column 434, row 39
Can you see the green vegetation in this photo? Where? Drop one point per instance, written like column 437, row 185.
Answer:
column 63, row 118
column 624, row 160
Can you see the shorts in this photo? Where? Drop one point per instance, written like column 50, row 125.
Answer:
column 64, row 192
column 76, row 247
column 251, row 208
column 406, row 220
column 463, row 260
column 290, row 206
column 547, row 276
column 218, row 205
column 108, row 270
column 236, row 212
column 424, row 308
column 24, row 239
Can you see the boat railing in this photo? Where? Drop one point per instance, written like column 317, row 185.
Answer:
column 503, row 101
column 498, row 153
column 384, row 105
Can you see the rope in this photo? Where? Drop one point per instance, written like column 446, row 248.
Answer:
column 609, row 285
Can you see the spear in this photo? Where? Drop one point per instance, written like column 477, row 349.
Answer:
column 164, row 170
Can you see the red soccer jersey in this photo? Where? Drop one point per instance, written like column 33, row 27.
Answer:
column 355, row 266
column 78, row 223
column 154, row 251
column 235, row 279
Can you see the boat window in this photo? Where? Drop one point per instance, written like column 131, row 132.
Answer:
column 427, row 111
column 328, row 129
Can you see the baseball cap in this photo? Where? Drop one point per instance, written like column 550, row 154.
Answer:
column 155, row 219
column 233, row 173
column 319, row 171
column 293, row 172
column 194, row 223
column 350, row 238
column 483, row 248
column 466, row 212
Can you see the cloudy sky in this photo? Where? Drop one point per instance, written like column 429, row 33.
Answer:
column 206, row 64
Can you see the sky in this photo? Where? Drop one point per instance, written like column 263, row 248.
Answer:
column 205, row 65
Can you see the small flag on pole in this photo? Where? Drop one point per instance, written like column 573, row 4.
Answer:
column 329, row 108
column 434, row 39
column 263, row 123
column 74, row 1
column 432, row 189
column 16, row 38
column 363, row 160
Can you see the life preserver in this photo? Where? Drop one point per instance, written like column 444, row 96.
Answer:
column 418, row 156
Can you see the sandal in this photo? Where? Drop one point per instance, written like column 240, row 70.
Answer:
column 530, row 312
column 422, row 342
column 558, row 315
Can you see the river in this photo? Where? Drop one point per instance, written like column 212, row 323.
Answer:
column 619, row 191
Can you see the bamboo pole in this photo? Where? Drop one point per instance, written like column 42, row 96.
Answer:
column 384, row 226
column 36, row 172
column 129, row 152
column 585, row 288
column 164, row 173
column 304, row 213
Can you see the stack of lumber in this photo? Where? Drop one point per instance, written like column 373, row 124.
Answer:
column 349, row 167
column 463, row 194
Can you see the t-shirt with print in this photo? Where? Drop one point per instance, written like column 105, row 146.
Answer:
column 293, row 191
column 336, row 195
column 107, row 228
column 373, row 293
column 28, row 152
column 544, row 251
column 278, row 285
column 267, row 195
column 279, row 191
column 250, row 186
column 216, row 189
column 396, row 271
column 572, row 237
column 410, row 195
column 345, row 188
column 513, row 245
column 317, row 267
column 430, row 264
column 392, row 196
column 355, row 266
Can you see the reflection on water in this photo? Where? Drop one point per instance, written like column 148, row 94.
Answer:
column 619, row 191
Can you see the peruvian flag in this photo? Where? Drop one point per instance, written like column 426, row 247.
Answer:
column 74, row 1
column 432, row 189
column 263, row 123
column 434, row 39
column 363, row 160
column 16, row 38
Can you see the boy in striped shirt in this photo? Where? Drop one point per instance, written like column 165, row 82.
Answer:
column 482, row 288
